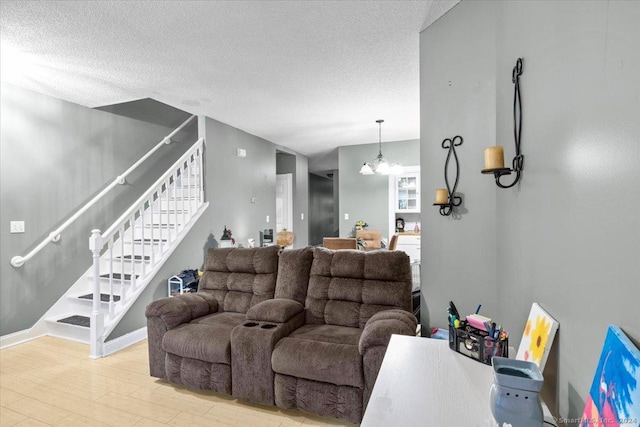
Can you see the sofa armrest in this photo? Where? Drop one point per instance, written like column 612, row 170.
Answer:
column 379, row 328
column 278, row 310
column 167, row 313
column 375, row 339
column 174, row 311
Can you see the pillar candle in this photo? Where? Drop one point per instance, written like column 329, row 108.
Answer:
column 494, row 157
column 442, row 196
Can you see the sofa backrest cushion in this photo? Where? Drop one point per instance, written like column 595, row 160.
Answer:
column 347, row 287
column 294, row 267
column 240, row 278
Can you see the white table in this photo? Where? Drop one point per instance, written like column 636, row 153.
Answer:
column 424, row 383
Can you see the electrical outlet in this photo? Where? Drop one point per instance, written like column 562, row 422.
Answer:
column 17, row 226
column 346, row 216
column 267, row 219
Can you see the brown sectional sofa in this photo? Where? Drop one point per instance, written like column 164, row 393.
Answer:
column 306, row 328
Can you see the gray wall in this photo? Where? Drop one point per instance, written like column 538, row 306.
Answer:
column 285, row 163
column 321, row 209
column 230, row 183
column 55, row 156
column 567, row 236
column 301, row 202
column 336, row 202
column 367, row 197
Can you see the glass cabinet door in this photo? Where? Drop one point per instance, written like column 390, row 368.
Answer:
column 407, row 193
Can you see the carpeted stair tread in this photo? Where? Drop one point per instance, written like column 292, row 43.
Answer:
column 76, row 320
column 103, row 297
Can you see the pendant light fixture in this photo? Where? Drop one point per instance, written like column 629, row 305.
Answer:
column 380, row 165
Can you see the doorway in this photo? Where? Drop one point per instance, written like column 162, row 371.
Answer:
column 284, row 201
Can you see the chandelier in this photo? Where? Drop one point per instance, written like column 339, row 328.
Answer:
column 380, row 165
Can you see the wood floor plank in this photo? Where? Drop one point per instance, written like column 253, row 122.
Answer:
column 176, row 402
column 75, row 420
column 93, row 410
column 185, row 419
column 139, row 407
column 8, row 396
column 30, row 422
column 145, row 422
column 10, row 418
column 39, row 411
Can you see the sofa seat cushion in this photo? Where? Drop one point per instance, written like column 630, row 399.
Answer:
column 328, row 333
column 207, row 338
column 325, row 353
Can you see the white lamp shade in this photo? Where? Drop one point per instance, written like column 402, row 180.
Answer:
column 396, row 169
column 366, row 169
column 383, row 167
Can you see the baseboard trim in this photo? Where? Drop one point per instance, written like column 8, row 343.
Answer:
column 16, row 338
column 125, row 341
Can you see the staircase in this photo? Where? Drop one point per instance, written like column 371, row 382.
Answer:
column 127, row 256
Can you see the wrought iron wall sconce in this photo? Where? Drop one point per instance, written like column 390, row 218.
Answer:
column 494, row 156
column 445, row 197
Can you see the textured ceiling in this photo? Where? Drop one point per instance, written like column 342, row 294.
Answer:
column 307, row 75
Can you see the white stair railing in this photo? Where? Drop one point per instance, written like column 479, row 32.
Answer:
column 54, row 236
column 139, row 225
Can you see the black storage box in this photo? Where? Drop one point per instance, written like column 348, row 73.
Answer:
column 476, row 343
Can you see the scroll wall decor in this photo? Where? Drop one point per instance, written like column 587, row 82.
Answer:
column 494, row 156
column 445, row 197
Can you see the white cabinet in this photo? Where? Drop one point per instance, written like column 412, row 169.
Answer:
column 404, row 199
column 409, row 243
column 407, row 192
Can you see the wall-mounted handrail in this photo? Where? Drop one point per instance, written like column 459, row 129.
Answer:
column 18, row 261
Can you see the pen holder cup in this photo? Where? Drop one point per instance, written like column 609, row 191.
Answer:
column 476, row 343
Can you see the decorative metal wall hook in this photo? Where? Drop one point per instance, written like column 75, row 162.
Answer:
column 494, row 156
column 446, row 198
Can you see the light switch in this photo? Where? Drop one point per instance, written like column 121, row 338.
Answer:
column 346, row 216
column 17, row 226
column 301, row 217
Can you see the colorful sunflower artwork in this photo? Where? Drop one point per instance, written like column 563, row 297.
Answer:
column 537, row 337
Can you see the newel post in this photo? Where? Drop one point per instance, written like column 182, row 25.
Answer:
column 97, row 317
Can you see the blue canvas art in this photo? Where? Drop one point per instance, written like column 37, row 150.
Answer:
column 614, row 398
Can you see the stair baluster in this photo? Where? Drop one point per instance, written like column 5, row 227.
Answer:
column 154, row 196
column 111, row 305
column 123, row 288
column 132, row 228
column 97, row 318
column 142, row 227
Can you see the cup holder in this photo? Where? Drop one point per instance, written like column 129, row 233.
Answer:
column 268, row 326
column 250, row 324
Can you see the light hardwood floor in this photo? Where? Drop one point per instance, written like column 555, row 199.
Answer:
column 51, row 381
